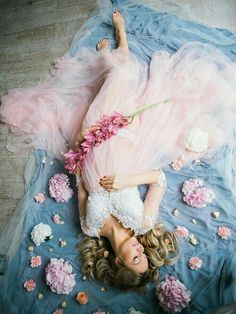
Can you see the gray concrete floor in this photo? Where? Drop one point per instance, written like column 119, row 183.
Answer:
column 32, row 34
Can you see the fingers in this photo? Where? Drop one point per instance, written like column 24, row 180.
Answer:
column 107, row 182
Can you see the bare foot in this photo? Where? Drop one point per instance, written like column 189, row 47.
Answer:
column 119, row 24
column 102, row 44
column 118, row 21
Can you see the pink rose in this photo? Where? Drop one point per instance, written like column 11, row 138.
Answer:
column 58, row 311
column 29, row 285
column 39, row 198
column 57, row 219
column 224, row 232
column 35, row 261
column 181, row 232
column 195, row 263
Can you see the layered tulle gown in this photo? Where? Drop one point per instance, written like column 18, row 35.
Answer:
column 198, row 82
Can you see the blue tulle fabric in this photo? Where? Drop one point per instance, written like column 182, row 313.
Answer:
column 213, row 285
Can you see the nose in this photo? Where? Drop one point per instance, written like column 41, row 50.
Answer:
column 140, row 248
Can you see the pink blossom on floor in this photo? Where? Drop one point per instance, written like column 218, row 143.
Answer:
column 181, row 232
column 39, row 198
column 35, row 261
column 58, row 311
column 224, row 232
column 172, row 294
column 196, row 195
column 195, row 263
column 59, row 188
column 57, row 219
column 29, row 285
column 191, row 185
column 59, row 276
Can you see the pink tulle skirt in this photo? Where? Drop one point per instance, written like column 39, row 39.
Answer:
column 198, row 80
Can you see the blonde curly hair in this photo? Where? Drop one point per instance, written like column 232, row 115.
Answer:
column 98, row 259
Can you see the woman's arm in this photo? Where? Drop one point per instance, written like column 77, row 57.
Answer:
column 82, row 200
column 152, row 201
column 111, row 183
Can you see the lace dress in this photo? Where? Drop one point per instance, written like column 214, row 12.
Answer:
column 125, row 205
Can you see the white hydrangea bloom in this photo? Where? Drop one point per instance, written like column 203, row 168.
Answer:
column 196, row 140
column 40, row 232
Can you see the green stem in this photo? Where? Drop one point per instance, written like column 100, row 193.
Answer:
column 145, row 107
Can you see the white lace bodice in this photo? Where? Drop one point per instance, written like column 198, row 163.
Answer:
column 125, row 205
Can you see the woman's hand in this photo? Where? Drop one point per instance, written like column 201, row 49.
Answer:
column 112, row 183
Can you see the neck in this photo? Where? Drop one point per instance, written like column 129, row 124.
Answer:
column 116, row 235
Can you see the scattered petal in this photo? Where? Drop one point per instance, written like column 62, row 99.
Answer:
column 39, row 198
column 195, row 263
column 51, row 163
column 29, row 285
column 30, row 248
column 194, row 241
column 194, row 221
column 82, row 297
column 35, row 261
column 215, row 214
column 224, row 232
column 176, row 212
column 103, row 289
column 84, row 277
column 63, row 243
column 177, row 164
column 44, row 160
column 63, row 304
column 40, row 296
column 131, row 310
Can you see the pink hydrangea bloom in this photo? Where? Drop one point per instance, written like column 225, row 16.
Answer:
column 191, row 185
column 195, row 263
column 196, row 195
column 59, row 276
column 181, row 232
column 39, row 198
column 35, row 261
column 29, row 285
column 224, row 232
column 58, row 311
column 59, row 188
column 172, row 294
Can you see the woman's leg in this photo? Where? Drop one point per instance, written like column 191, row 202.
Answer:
column 119, row 24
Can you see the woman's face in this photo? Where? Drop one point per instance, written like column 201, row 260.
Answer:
column 131, row 254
